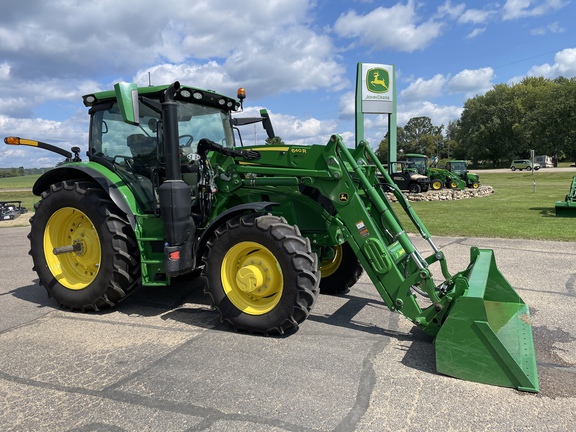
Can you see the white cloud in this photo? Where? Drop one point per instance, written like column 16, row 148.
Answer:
column 565, row 65
column 475, row 32
column 514, row 9
column 265, row 45
column 450, row 10
column 298, row 131
column 423, row 89
column 4, row 71
column 472, row 82
column 439, row 114
column 394, row 28
column 291, row 129
column 475, row 16
column 347, row 105
column 555, row 27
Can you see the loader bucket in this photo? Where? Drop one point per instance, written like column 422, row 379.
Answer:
column 487, row 335
column 565, row 208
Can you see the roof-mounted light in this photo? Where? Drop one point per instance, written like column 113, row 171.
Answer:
column 241, row 96
column 89, row 100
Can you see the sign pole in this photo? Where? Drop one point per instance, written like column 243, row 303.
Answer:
column 359, row 126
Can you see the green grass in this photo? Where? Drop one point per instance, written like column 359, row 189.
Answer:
column 21, row 182
column 515, row 210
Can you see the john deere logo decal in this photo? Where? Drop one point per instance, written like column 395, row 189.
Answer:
column 343, row 197
column 377, row 80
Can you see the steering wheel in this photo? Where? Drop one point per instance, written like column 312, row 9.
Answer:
column 188, row 142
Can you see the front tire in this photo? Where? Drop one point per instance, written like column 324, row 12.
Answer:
column 104, row 268
column 414, row 188
column 261, row 274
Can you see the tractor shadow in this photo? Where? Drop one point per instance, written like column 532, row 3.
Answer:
column 184, row 301
column 417, row 345
column 545, row 211
column 34, row 294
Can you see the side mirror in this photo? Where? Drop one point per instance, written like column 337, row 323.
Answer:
column 267, row 123
column 127, row 97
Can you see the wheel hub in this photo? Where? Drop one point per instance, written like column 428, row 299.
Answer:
column 251, row 278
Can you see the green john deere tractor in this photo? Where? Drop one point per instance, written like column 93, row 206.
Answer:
column 439, row 177
column 460, row 168
column 168, row 189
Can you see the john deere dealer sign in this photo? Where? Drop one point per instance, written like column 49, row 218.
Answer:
column 377, row 88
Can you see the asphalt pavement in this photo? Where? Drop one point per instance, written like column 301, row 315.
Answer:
column 162, row 361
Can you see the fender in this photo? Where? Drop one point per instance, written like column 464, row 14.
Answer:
column 119, row 193
column 228, row 214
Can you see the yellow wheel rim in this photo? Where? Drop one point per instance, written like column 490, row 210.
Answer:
column 252, row 278
column 328, row 267
column 436, row 185
column 475, row 185
column 74, row 270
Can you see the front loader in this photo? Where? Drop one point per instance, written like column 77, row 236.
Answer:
column 166, row 190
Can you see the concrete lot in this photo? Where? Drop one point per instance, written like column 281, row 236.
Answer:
column 162, row 361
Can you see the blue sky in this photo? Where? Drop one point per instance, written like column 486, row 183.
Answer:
column 295, row 57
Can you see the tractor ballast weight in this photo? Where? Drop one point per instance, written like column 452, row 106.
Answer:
column 268, row 225
column 567, row 208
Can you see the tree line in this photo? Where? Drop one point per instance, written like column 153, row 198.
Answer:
column 505, row 123
column 21, row 171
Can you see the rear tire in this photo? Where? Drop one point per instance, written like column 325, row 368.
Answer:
column 105, row 269
column 342, row 272
column 261, row 274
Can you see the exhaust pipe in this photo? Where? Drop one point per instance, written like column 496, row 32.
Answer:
column 174, row 195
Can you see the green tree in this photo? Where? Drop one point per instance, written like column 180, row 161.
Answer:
column 489, row 126
column 508, row 121
column 454, row 149
column 421, row 136
column 275, row 141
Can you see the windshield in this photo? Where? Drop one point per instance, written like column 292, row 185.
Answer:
column 458, row 166
column 418, row 164
column 112, row 138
